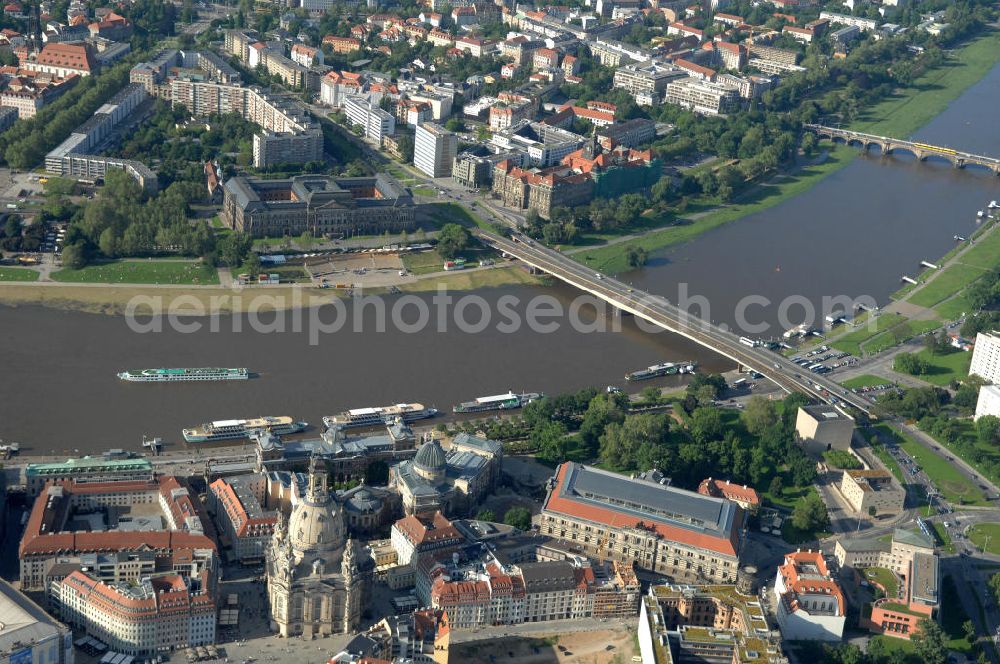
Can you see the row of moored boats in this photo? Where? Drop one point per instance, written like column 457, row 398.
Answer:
column 356, row 417
column 221, row 430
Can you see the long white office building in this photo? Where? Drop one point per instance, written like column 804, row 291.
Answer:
column 863, row 24
column 363, row 113
column 77, row 155
column 703, row 97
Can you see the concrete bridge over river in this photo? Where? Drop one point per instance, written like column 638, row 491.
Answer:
column 659, row 311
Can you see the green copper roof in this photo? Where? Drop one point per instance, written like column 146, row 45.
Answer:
column 86, row 463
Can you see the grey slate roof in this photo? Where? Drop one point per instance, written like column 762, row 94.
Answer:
column 483, row 444
column 546, row 577
column 646, row 500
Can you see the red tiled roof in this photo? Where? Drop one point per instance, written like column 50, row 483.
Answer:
column 236, row 510
column 590, row 113
column 696, row 68
column 69, row 56
column 726, row 489
column 170, row 596
column 731, row 47
column 686, row 28
column 796, row 585
column 333, row 39
column 35, row 542
column 436, row 529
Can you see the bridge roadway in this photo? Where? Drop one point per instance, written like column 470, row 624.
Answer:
column 658, row 310
column 920, row 150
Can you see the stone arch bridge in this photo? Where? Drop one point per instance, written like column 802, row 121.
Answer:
column 887, row 146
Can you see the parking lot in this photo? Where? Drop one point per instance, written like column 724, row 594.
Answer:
column 824, row 360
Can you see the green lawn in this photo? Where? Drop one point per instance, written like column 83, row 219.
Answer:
column 141, row 272
column 423, row 262
column 612, row 258
column 953, row 365
column 424, row 192
column 287, row 273
column 272, row 242
column 985, row 253
column 949, row 282
column 790, row 495
column 954, row 308
column 897, row 334
column 445, row 213
column 887, row 645
column 841, row 459
column 867, row 328
column 953, row 485
column 982, row 534
column 945, row 294
column 865, row 380
column 17, row 274
column 885, row 578
column 902, row 114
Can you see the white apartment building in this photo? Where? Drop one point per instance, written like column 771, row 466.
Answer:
column 986, row 357
column 375, row 122
column 703, row 97
column 434, row 150
column 335, row 87
column 306, row 56
column 545, row 145
column 989, row 401
column 317, row 6
column 648, row 79
column 863, row 24
column 440, row 104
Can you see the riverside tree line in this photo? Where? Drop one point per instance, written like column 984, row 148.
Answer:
column 694, row 440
